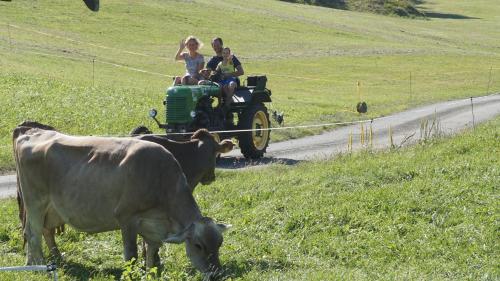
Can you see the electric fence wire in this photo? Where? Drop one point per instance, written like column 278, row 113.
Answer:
column 81, row 42
column 464, row 102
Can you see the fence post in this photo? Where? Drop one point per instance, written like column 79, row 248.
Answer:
column 489, row 81
column 371, row 134
column 410, row 86
column 473, row 117
column 390, row 137
column 10, row 39
column 93, row 72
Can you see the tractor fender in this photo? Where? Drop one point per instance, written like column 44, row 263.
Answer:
column 261, row 96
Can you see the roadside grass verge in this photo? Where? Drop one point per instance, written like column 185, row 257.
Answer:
column 428, row 211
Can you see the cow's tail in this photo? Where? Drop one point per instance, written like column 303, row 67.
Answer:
column 22, row 212
column 20, row 203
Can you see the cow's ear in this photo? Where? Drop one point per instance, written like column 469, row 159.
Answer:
column 177, row 238
column 225, row 146
column 223, row 227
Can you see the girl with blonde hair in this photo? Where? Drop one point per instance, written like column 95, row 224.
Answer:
column 193, row 59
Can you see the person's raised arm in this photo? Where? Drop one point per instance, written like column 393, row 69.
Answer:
column 179, row 55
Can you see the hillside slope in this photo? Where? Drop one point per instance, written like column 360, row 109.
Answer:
column 99, row 73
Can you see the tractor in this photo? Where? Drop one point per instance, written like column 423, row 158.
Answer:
column 191, row 107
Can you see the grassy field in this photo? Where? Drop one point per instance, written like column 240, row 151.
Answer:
column 81, row 71
column 429, row 212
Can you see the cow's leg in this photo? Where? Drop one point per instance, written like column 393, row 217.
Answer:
column 49, row 235
column 152, row 256
column 33, row 235
column 129, row 237
column 52, row 223
column 143, row 248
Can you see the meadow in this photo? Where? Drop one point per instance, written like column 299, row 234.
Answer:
column 99, row 73
column 428, row 212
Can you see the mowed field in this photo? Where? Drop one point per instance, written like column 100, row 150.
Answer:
column 99, row 73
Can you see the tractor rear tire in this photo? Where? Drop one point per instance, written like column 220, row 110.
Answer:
column 253, row 144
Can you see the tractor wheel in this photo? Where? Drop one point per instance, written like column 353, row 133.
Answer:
column 253, row 144
column 140, row 130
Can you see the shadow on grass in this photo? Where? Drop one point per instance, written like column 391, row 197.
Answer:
column 447, row 16
column 233, row 163
column 77, row 271
column 437, row 15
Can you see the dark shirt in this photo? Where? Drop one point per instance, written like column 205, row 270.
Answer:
column 214, row 61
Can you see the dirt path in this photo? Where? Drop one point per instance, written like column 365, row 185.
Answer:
column 448, row 117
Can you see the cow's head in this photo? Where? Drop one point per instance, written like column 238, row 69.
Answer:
column 209, row 149
column 203, row 240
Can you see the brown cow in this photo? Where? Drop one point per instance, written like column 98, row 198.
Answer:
column 102, row 184
column 196, row 157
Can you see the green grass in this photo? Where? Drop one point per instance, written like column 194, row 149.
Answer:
column 428, row 212
column 313, row 56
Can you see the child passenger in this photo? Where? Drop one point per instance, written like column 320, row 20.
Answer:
column 228, row 83
column 194, row 60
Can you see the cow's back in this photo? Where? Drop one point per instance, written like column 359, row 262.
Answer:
column 89, row 181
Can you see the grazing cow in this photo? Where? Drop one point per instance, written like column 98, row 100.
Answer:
column 197, row 157
column 101, row 184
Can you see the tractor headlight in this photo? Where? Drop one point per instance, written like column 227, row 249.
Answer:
column 193, row 113
column 153, row 113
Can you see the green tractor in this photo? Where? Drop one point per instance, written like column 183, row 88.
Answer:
column 189, row 108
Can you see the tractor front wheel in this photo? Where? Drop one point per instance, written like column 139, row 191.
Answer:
column 253, row 144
